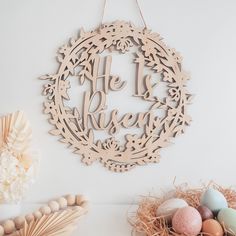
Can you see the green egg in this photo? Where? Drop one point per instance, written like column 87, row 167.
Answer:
column 227, row 217
column 214, row 200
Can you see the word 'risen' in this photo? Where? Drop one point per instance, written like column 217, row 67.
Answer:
column 97, row 116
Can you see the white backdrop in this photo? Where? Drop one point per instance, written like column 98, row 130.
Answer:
column 203, row 31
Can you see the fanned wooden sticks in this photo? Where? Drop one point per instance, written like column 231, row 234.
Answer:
column 56, row 224
column 15, row 133
column 58, row 217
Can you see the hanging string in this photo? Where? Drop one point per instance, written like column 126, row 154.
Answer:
column 140, row 12
column 103, row 10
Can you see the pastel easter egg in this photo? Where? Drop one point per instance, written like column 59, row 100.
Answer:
column 214, row 200
column 212, row 227
column 169, row 207
column 227, row 217
column 205, row 213
column 187, row 221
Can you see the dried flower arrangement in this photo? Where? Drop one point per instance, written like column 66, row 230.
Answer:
column 18, row 164
column 151, row 219
column 57, row 218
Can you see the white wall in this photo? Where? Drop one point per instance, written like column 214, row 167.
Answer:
column 203, row 31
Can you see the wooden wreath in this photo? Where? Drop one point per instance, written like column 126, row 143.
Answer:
column 76, row 125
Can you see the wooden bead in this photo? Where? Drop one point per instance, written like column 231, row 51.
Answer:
column 29, row 218
column 70, row 200
column 85, row 205
column 9, row 226
column 37, row 215
column 45, row 210
column 1, row 231
column 80, row 199
column 15, row 233
column 62, row 202
column 54, row 206
column 19, row 222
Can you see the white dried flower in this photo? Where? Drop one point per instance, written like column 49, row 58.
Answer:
column 18, row 166
column 15, row 177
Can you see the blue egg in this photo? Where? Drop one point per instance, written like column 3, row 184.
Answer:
column 214, row 200
column 227, row 217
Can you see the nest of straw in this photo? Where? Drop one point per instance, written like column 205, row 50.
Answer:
column 146, row 222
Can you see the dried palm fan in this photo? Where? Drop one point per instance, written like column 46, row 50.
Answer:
column 16, row 157
column 15, row 133
column 56, row 224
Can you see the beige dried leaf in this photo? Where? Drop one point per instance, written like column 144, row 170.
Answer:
column 56, row 224
column 15, row 132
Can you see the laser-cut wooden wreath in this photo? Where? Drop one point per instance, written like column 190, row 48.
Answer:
column 76, row 125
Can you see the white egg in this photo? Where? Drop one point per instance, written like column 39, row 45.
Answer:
column 168, row 208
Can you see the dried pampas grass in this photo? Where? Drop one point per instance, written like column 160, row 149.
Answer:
column 146, row 222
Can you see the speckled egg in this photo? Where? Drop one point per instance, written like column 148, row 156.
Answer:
column 214, row 200
column 187, row 221
column 212, row 227
column 227, row 217
column 205, row 213
column 169, row 207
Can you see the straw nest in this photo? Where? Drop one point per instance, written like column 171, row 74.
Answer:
column 146, row 222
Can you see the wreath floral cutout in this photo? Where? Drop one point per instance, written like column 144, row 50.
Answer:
column 157, row 132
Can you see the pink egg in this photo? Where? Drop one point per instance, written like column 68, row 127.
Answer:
column 188, row 221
